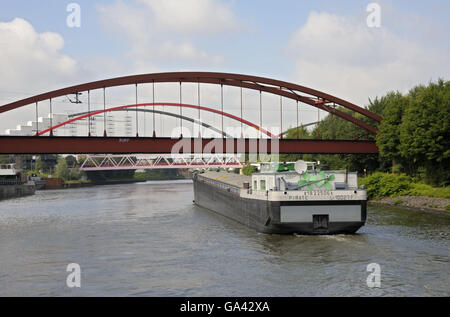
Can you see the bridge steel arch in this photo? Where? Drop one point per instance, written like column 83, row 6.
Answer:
column 170, row 114
column 315, row 98
column 93, row 113
column 164, row 113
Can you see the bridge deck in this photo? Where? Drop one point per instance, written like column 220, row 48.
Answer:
column 116, row 145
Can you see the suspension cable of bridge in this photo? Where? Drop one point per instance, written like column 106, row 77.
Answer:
column 181, row 112
column 297, row 121
column 80, row 116
column 198, row 99
column 137, row 118
column 242, row 134
column 260, row 113
column 153, row 96
column 221, row 105
column 51, row 117
column 145, row 119
column 104, row 113
column 281, row 114
column 89, row 111
column 37, row 122
column 318, row 123
column 333, row 124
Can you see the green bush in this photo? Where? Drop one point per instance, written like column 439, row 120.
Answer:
column 447, row 207
column 249, row 170
column 386, row 185
column 429, row 191
column 391, row 185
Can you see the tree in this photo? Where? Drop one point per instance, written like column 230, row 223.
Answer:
column 81, row 159
column 61, row 170
column 71, row 161
column 39, row 165
column 4, row 159
column 393, row 106
column 302, row 133
column 415, row 131
column 333, row 127
column 425, row 132
column 50, row 161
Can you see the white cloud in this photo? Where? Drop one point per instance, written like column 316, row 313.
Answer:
column 186, row 50
column 30, row 63
column 30, row 60
column 192, row 16
column 164, row 31
column 344, row 57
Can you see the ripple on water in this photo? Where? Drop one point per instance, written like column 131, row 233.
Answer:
column 148, row 239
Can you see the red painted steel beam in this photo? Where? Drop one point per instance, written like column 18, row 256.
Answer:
column 229, row 115
column 116, row 145
column 251, row 82
column 321, row 104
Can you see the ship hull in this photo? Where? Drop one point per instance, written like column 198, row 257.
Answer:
column 270, row 216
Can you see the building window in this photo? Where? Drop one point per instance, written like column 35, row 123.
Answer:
column 262, row 185
column 255, row 185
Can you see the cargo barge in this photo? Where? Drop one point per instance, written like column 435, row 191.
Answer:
column 286, row 199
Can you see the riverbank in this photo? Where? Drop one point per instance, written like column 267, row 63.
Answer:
column 80, row 184
column 416, row 202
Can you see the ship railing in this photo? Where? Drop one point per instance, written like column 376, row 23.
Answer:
column 260, row 192
column 229, row 188
column 11, row 182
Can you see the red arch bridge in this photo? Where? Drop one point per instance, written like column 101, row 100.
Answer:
column 41, row 136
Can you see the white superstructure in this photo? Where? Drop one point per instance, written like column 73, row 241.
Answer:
column 8, row 170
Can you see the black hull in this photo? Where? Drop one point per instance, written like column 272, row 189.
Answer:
column 264, row 216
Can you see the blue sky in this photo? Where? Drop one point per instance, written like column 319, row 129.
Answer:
column 324, row 44
column 270, row 26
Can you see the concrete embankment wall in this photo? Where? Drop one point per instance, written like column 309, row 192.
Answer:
column 14, row 191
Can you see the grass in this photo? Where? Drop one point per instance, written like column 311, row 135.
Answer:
column 429, row 191
column 77, row 181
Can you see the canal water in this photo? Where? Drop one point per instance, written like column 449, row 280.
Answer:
column 150, row 240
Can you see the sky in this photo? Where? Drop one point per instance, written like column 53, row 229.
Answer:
column 326, row 45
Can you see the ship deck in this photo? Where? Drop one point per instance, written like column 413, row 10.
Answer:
column 231, row 179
